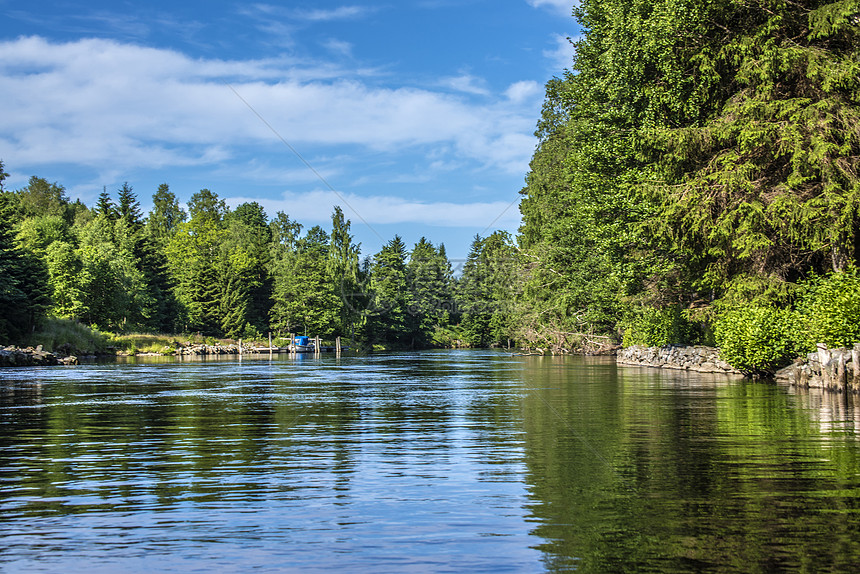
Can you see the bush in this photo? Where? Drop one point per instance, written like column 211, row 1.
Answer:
column 758, row 340
column 830, row 306
column 652, row 327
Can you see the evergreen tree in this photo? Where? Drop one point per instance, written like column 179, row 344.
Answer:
column 23, row 283
column 105, row 206
column 430, row 297
column 487, row 290
column 198, row 272
column 343, row 270
column 129, row 208
column 386, row 318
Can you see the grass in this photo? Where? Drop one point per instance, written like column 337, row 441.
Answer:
column 74, row 337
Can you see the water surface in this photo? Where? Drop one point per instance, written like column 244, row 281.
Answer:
column 444, row 461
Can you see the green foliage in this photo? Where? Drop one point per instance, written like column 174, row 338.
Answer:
column 304, row 294
column 430, row 297
column 487, row 290
column 385, row 320
column 758, row 340
column 166, row 215
column 653, row 327
column 343, row 270
column 830, row 306
column 57, row 334
column 23, row 282
column 697, row 154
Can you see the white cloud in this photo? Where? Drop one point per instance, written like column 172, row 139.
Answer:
column 338, row 47
column 339, row 13
column 562, row 53
column 467, row 84
column 317, row 206
column 99, row 102
column 564, row 7
column 522, row 91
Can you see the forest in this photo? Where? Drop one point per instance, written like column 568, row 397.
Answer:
column 695, row 180
column 233, row 273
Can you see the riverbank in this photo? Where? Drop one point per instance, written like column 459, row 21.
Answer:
column 33, row 357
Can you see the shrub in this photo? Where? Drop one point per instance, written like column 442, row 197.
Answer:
column 830, row 306
column 653, row 327
column 758, row 340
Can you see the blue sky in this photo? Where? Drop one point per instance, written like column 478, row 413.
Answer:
column 416, row 116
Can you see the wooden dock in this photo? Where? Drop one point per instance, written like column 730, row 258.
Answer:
column 293, row 348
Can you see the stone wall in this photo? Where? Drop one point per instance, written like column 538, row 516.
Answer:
column 832, row 369
column 698, row 358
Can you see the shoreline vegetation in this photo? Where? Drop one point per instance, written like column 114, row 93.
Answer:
column 696, row 182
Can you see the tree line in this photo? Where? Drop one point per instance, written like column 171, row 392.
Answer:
column 233, row 272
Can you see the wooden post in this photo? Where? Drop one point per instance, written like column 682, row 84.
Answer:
column 270, row 341
column 337, row 345
column 292, row 345
column 240, row 347
column 317, row 345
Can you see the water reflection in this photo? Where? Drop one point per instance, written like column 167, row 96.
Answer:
column 442, row 461
column 668, row 471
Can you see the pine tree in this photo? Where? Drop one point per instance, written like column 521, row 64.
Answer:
column 23, row 283
column 105, row 205
column 129, row 208
column 343, row 270
column 389, row 291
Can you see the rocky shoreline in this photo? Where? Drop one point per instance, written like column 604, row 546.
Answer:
column 29, row 356
column 32, row 357
column 697, row 358
column 830, row 369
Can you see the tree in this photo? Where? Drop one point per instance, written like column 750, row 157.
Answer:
column 430, row 297
column 343, row 270
column 486, row 290
column 246, row 298
column 696, row 154
column 304, row 295
column 129, row 208
column 41, row 198
column 206, row 206
column 105, row 206
column 23, row 282
column 193, row 254
column 389, row 292
column 166, row 215
column 765, row 188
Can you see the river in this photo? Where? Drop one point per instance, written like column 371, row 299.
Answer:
column 440, row 461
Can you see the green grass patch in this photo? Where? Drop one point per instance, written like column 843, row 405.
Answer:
column 68, row 336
